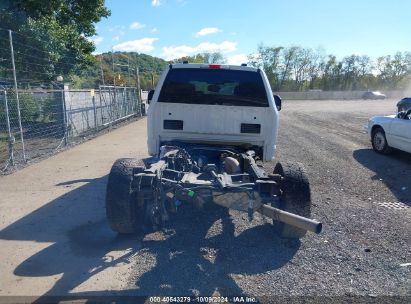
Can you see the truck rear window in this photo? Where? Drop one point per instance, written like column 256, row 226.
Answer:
column 214, row 87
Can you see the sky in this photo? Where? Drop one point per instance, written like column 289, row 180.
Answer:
column 170, row 29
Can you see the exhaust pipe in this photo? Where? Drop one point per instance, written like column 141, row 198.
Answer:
column 291, row 218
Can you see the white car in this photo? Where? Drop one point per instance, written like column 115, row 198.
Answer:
column 387, row 132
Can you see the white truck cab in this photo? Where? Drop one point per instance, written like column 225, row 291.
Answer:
column 214, row 104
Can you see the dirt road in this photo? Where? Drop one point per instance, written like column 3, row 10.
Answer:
column 54, row 239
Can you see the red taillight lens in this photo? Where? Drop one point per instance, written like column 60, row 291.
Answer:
column 214, row 66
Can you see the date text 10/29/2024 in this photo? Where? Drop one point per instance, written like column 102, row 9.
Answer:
column 199, row 299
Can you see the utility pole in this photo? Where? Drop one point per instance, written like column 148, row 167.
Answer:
column 138, row 82
column 138, row 79
column 128, row 70
column 101, row 69
column 114, row 100
column 152, row 74
column 114, row 75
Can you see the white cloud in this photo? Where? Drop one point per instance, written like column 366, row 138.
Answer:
column 140, row 45
column 136, row 26
column 154, row 30
column 155, row 3
column 115, row 38
column 116, row 28
column 173, row 52
column 96, row 39
column 207, row 31
column 182, row 2
column 237, row 59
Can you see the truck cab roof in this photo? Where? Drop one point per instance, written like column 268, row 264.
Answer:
column 212, row 66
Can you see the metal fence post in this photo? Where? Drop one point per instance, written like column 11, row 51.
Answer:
column 101, row 106
column 135, row 104
column 111, row 107
column 17, row 94
column 94, row 110
column 139, row 101
column 63, row 107
column 11, row 138
column 137, row 108
column 124, row 108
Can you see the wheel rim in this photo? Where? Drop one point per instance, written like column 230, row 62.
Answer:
column 379, row 141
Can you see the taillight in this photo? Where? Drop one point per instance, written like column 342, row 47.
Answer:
column 214, row 66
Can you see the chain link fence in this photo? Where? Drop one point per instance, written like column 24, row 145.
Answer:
column 39, row 116
column 45, row 120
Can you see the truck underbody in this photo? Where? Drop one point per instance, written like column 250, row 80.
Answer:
column 141, row 195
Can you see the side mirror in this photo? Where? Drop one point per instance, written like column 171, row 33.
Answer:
column 278, row 102
column 150, row 95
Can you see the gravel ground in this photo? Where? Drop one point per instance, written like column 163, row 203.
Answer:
column 361, row 251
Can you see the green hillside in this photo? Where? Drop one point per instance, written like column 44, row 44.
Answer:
column 124, row 69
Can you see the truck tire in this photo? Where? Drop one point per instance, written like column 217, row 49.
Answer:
column 295, row 197
column 122, row 211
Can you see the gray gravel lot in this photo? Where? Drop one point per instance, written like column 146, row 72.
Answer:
column 55, row 240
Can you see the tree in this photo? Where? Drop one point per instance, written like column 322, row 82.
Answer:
column 366, row 66
column 296, row 68
column 316, row 68
column 288, row 61
column 400, row 68
column 50, row 37
column 301, row 64
column 215, row 57
column 268, row 58
column 124, row 73
column 351, row 71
